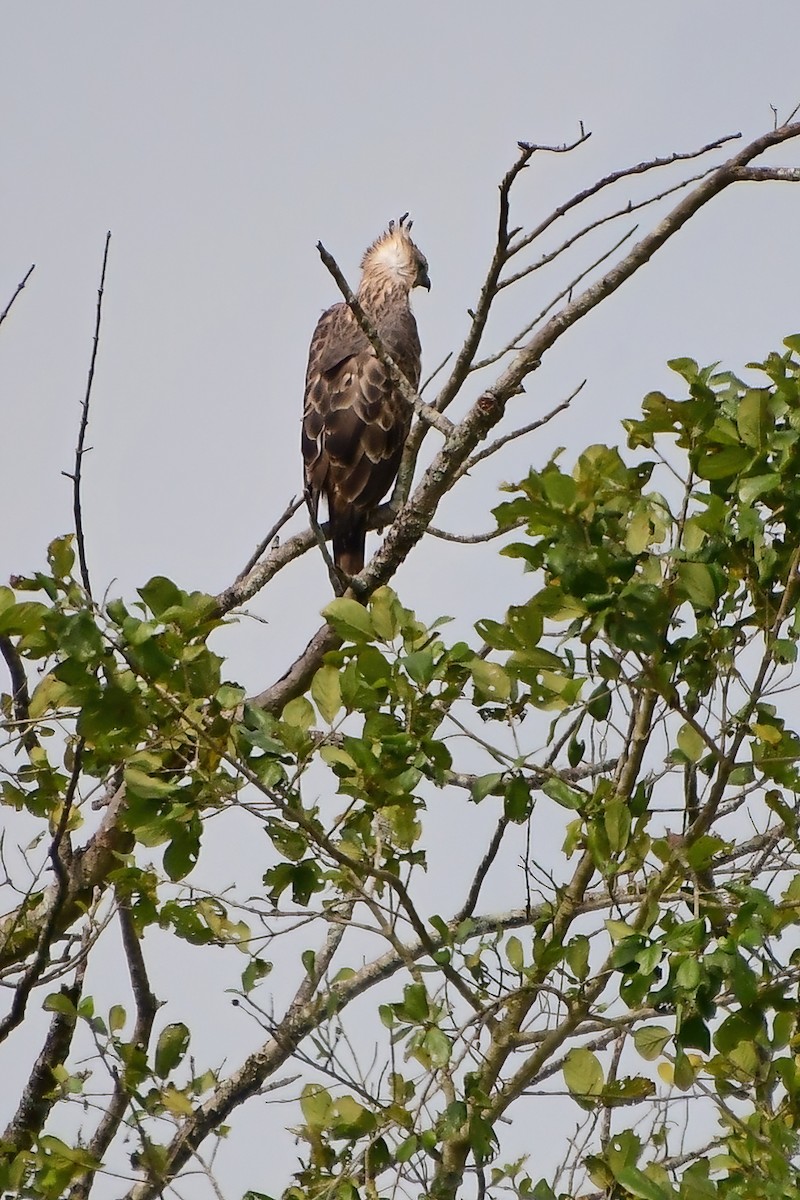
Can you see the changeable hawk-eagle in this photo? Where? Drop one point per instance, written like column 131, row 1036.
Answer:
column 355, row 420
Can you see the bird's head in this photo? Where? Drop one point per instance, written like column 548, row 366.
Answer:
column 393, row 260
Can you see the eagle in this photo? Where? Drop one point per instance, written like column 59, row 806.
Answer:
column 355, row 419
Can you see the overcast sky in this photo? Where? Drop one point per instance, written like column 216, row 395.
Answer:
column 219, row 142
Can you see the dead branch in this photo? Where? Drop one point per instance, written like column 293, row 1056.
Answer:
column 81, row 447
column 20, row 286
column 291, row 508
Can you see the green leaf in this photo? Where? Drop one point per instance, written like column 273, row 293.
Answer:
column 415, row 1002
column 161, row 593
column 61, row 556
column 637, row 1184
column 598, row 705
column 617, row 821
column 59, row 1003
column 577, row 956
column 753, row 419
column 298, row 713
column 384, row 611
column 757, row 485
column 171, row 1047
column 349, row 618
column 230, row 696
column 650, row 1041
column 484, row 785
column 563, row 794
column 23, row 618
column 514, row 954
column 699, row 584
column 316, row 1106
column 691, row 743
column 583, row 1074
column 517, row 806
column 254, row 972
column 491, row 680
column 438, row 1047
column 723, row 464
column 147, row 787
column 327, row 693
column 116, row 1018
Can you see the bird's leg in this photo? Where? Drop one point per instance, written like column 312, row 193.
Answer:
column 338, row 581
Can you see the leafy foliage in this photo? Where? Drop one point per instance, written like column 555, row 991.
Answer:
column 640, row 702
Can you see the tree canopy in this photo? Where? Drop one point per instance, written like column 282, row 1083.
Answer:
column 554, row 863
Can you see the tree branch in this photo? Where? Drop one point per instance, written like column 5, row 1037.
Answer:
column 20, row 286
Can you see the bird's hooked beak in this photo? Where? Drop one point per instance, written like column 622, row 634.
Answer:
column 423, row 279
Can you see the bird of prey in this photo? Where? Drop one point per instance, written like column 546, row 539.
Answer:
column 355, row 419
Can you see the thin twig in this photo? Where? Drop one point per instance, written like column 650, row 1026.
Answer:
column 496, row 445
column 291, row 508
column 20, row 286
column 81, row 447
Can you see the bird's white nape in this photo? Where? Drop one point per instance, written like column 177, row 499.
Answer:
column 392, row 257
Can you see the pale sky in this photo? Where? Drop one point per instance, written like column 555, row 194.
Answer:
column 220, row 142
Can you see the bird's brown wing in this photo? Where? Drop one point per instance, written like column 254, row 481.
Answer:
column 354, row 428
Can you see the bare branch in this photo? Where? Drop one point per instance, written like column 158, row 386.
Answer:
column 81, row 447
column 20, row 286
column 496, row 445
column 768, row 174
column 641, row 168
column 291, row 508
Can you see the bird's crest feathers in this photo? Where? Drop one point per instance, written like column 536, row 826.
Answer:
column 393, row 258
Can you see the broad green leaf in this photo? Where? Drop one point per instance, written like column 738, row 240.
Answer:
column 116, row 1018
column 326, row 692
column 723, row 464
column 753, row 419
column 148, row 787
column 617, row 821
column 691, row 743
column 349, row 618
column 698, row 584
column 316, row 1106
column 61, row 556
column 583, row 1074
column 484, row 785
column 514, row 954
column 298, row 713
column 173, row 1042
column 230, row 696
column 22, row 618
column 637, row 1184
column 384, row 611
column 650, row 1041
column 517, row 806
column 491, row 680
column 563, row 794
